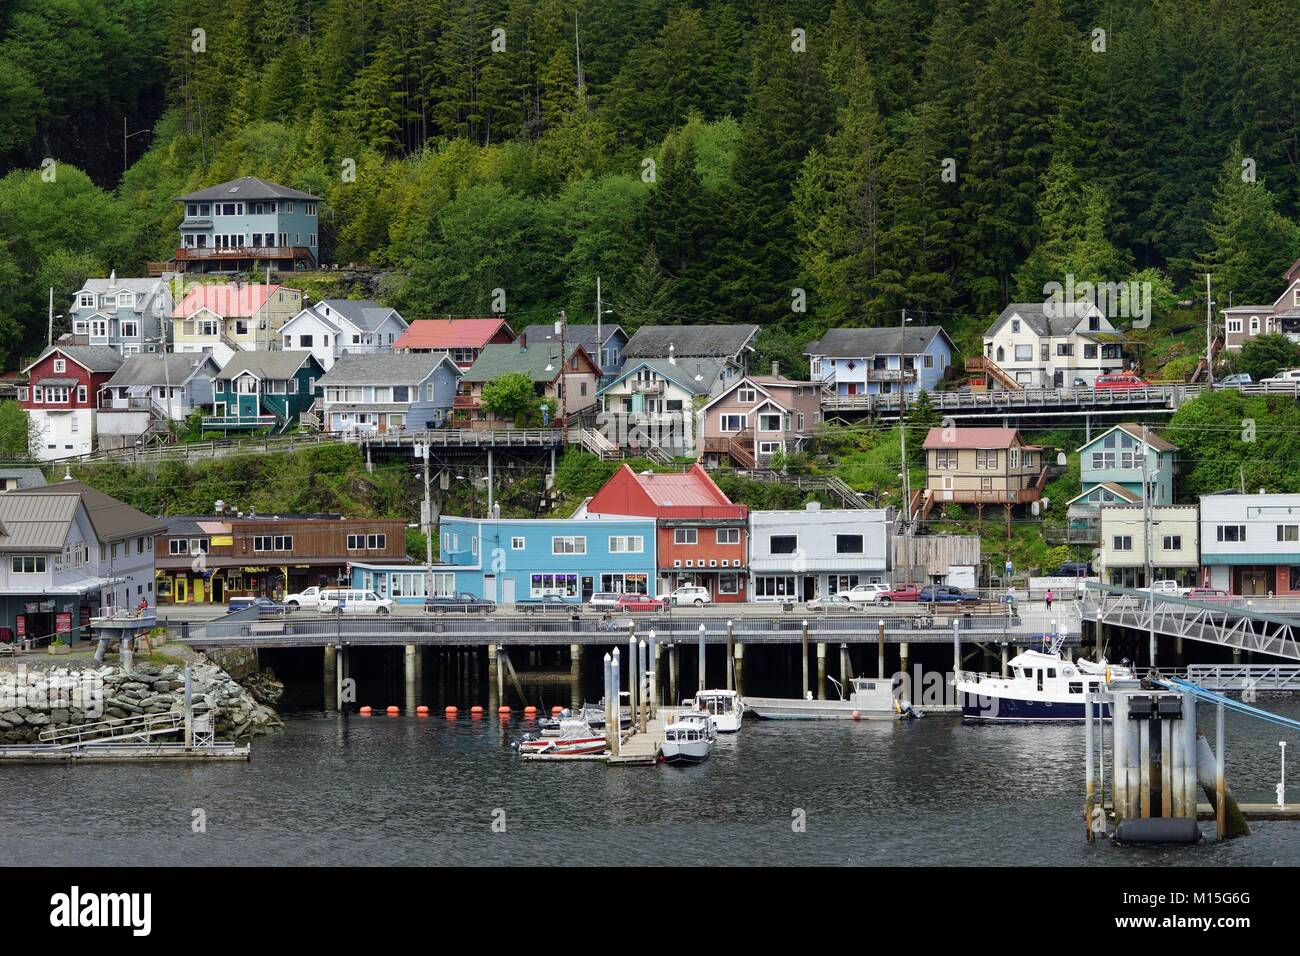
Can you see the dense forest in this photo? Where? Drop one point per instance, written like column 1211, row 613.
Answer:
column 704, row 158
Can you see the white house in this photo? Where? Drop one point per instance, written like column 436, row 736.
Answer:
column 1175, row 536
column 334, row 327
column 799, row 555
column 1045, row 345
column 1250, row 544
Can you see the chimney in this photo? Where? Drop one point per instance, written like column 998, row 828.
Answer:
column 776, row 369
column 523, row 341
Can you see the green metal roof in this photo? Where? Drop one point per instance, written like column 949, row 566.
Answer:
column 1256, row 558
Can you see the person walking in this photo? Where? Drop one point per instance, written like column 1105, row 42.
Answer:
column 1049, row 599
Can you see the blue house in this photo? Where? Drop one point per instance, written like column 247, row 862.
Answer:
column 520, row 559
column 247, row 224
column 604, row 343
column 130, row 315
column 1110, row 473
column 867, row 361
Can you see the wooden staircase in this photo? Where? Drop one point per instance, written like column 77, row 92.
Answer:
column 1202, row 371
column 990, row 371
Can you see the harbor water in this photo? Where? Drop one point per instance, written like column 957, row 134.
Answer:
column 383, row 791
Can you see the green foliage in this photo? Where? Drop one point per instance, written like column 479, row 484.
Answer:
column 18, row 433
column 1229, row 441
column 417, row 545
column 1265, row 355
column 580, row 474
column 510, row 396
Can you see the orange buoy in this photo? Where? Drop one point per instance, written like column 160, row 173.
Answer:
column 451, row 711
column 556, row 710
column 422, row 711
column 393, row 711
column 504, row 710
column 857, row 715
column 476, row 709
column 365, row 711
column 530, row 711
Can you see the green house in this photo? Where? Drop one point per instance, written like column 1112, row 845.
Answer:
column 263, row 390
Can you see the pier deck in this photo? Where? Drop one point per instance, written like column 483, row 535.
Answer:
column 123, row 753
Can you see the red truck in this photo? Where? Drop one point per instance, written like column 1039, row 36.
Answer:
column 901, row 593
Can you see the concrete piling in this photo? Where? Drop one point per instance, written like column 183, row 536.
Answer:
column 701, row 676
column 611, row 719
column 1089, row 796
column 804, row 654
column 731, row 676
column 845, row 665
column 740, row 666
column 821, row 670
column 880, row 649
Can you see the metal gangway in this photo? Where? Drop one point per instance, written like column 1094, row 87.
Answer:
column 1227, row 703
column 1231, row 623
column 138, row 729
column 1244, row 677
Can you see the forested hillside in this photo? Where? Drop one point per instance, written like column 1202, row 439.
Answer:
column 704, row 159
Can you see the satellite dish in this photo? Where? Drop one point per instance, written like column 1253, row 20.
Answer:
column 1034, row 508
column 1060, row 458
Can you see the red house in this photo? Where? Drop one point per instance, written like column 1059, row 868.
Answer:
column 462, row 339
column 702, row 538
column 60, row 395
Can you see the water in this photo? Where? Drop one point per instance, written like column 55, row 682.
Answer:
column 383, row 791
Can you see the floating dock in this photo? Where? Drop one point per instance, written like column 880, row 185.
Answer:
column 123, row 753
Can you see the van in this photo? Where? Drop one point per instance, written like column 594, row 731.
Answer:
column 353, row 601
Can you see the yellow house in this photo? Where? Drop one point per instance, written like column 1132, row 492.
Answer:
column 235, row 317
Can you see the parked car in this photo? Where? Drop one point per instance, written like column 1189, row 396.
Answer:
column 1290, row 376
column 1234, row 381
column 548, row 604
column 1210, row 595
column 308, row 597
column 462, row 601
column 265, row 606
column 903, row 593
column 1073, row 569
column 1120, row 380
column 353, row 601
column 639, row 602
column 946, row 594
column 6, row 635
column 1167, row 587
column 604, row 599
column 834, row 602
column 690, row 594
column 866, row 593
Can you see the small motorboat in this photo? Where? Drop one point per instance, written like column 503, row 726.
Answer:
column 689, row 739
column 872, row 698
column 572, row 737
column 724, row 707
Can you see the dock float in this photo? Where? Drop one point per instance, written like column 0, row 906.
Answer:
column 123, row 753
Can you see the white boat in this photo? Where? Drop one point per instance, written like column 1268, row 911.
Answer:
column 1042, row 686
column 724, row 707
column 574, row 736
column 871, row 698
column 689, row 739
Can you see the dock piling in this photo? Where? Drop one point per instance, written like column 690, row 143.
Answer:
column 701, row 680
column 616, row 684
column 633, row 682
column 805, row 658
column 654, row 673
column 844, row 664
column 1090, row 784
column 643, row 684
column 611, row 723
column 1220, row 777
column 821, row 670
column 730, row 666
column 740, row 668
column 880, row 650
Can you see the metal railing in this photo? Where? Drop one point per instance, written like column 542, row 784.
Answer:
column 140, row 727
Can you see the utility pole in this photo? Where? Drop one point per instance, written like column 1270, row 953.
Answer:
column 562, row 413
column 902, row 446
column 426, row 522
column 1146, row 522
column 49, row 335
column 600, row 341
column 1209, row 331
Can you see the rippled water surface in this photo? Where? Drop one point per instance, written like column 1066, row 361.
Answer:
column 406, row 790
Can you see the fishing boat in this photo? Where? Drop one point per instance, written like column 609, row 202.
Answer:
column 689, row 739
column 573, row 737
column 1042, row 686
column 724, row 707
column 871, row 698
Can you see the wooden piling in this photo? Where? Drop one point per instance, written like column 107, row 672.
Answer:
column 1119, row 754
column 821, row 670
column 700, row 677
column 1090, row 783
column 804, row 649
column 1144, row 768
column 617, row 722
column 632, row 665
column 1166, row 768
column 844, row 665
column 740, row 665
column 674, row 665
column 611, row 714
column 730, row 665
column 1220, row 777
column 880, row 649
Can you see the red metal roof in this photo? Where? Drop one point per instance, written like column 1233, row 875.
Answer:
column 231, row 300
column 688, row 494
column 451, row 333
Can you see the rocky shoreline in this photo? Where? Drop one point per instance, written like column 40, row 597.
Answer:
column 34, row 697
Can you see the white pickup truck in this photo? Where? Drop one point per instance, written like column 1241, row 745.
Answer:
column 1169, row 588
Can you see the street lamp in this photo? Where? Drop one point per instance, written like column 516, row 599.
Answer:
column 125, row 137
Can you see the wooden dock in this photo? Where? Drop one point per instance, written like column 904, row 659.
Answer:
column 641, row 750
column 123, row 753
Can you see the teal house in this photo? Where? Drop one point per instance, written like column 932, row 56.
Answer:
column 1110, row 473
column 263, row 390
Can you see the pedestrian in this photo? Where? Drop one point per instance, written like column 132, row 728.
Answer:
column 1011, row 595
column 1049, row 599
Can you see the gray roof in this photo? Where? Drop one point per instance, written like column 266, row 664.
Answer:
column 97, row 358
column 105, row 286
column 264, row 365
column 1064, row 318
column 861, row 343
column 400, row 368
column 111, row 519
column 247, row 187
column 540, row 363
column 689, row 341
column 696, row 375
column 26, row 477
column 155, row 369
column 584, row 335
column 33, row 521
column 365, row 314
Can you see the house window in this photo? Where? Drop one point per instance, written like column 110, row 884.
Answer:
column 626, row 544
column 986, row 484
column 729, row 583
column 1090, row 351
column 732, row 423
column 769, row 423
column 848, row 544
column 1024, row 353
column 686, row 536
column 1231, row 532
column 517, row 544
column 1234, row 325
column 28, row 564
column 568, row 544
column 197, row 546
column 746, row 396
column 284, row 542
column 1288, row 532
column 60, row 365
column 946, row 459
column 376, row 542
column 81, row 394
column 986, row 458
column 86, row 300
column 131, row 329
column 1173, row 542
column 727, row 536
column 1122, row 542
column 1015, row 325
column 263, row 542
column 178, row 546
column 783, row 544
column 1065, row 348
